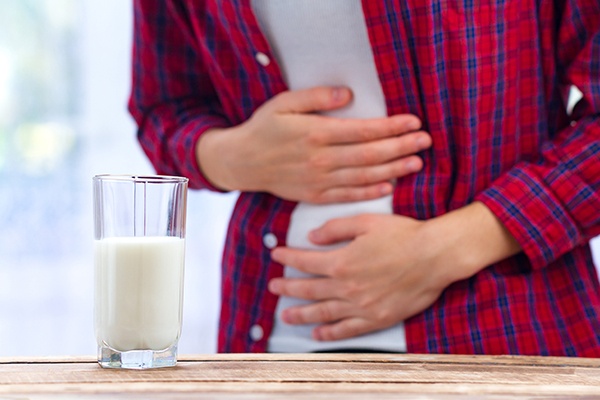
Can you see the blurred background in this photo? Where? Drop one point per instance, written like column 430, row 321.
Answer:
column 64, row 82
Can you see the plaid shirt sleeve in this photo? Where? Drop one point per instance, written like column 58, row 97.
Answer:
column 552, row 205
column 173, row 100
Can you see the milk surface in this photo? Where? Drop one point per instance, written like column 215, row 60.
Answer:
column 139, row 292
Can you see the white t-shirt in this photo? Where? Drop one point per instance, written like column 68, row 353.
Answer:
column 325, row 42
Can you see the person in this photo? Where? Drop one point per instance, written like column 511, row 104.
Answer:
column 410, row 177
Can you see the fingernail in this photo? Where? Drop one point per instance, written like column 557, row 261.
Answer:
column 414, row 124
column 315, row 236
column 385, row 188
column 274, row 287
column 316, row 334
column 285, row 316
column 423, row 142
column 275, row 254
column 338, row 94
column 413, row 165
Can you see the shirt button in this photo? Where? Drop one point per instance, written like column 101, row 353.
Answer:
column 263, row 59
column 256, row 332
column 270, row 241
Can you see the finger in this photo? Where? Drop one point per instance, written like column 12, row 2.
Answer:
column 367, row 183
column 320, row 98
column 343, row 131
column 375, row 152
column 309, row 261
column 369, row 175
column 344, row 329
column 304, row 288
column 317, row 313
column 340, row 229
column 354, row 193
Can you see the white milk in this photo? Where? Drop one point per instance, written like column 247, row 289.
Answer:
column 139, row 292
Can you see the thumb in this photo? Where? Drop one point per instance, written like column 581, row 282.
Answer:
column 339, row 230
column 321, row 98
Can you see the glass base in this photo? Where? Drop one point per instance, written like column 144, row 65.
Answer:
column 137, row 359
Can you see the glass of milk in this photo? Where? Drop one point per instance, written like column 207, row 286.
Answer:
column 139, row 262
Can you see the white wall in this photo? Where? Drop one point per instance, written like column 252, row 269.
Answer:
column 46, row 298
column 106, row 48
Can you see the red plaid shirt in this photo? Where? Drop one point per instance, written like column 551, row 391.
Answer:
column 489, row 78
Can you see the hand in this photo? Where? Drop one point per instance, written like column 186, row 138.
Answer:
column 393, row 268
column 383, row 276
column 288, row 150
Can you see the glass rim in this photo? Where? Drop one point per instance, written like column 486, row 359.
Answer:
column 140, row 178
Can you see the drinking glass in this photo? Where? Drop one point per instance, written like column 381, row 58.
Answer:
column 139, row 250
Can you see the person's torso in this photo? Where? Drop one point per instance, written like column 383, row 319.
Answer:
column 325, row 43
column 482, row 76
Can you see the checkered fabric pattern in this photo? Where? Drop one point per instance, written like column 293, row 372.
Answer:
column 489, row 78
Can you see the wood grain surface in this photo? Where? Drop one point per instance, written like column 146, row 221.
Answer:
column 306, row 376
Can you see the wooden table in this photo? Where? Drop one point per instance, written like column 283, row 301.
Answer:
column 306, row 376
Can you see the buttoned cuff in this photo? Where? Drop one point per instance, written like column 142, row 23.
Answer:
column 533, row 213
column 185, row 148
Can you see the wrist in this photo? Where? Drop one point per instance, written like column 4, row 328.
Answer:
column 468, row 240
column 212, row 150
